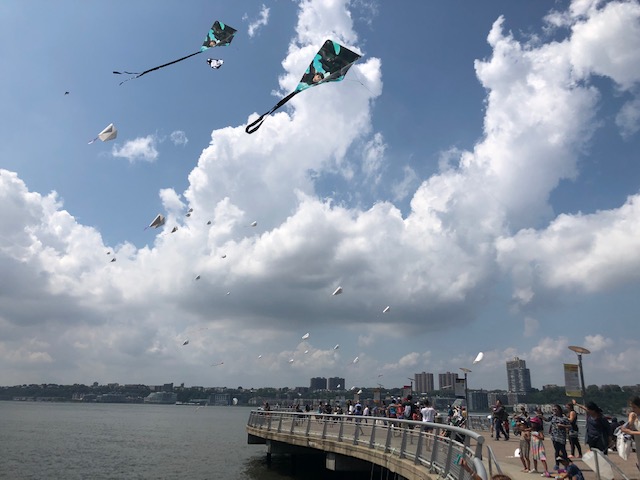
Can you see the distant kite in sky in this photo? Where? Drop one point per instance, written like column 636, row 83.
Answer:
column 215, row 63
column 356, row 360
column 186, row 342
column 197, row 277
column 330, row 64
column 217, row 364
column 479, row 358
column 386, row 309
column 174, row 229
column 109, row 133
column 113, row 259
column 220, row 35
column 337, row 291
column 253, row 224
column 337, row 346
column 305, row 336
column 291, row 360
column 66, row 93
column 306, row 351
column 157, row 222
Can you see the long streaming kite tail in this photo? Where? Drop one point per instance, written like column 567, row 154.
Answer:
column 92, row 141
column 255, row 125
column 156, row 68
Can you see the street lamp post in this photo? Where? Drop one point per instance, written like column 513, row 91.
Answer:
column 466, row 390
column 580, row 351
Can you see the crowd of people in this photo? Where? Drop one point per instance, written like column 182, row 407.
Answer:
column 562, row 428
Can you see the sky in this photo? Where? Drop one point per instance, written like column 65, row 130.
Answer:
column 476, row 171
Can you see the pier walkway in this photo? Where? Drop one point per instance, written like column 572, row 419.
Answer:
column 402, row 447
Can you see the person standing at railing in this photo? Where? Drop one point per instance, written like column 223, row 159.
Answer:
column 574, row 441
column 559, row 428
column 598, row 429
column 632, row 427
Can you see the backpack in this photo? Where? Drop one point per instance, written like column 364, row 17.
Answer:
column 408, row 414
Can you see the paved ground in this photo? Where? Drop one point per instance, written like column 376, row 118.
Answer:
column 504, row 450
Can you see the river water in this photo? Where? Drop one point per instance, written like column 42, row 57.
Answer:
column 42, row 440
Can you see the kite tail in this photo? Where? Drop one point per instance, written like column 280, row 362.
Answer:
column 252, row 127
column 92, row 141
column 138, row 75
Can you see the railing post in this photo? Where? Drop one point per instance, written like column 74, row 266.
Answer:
column 387, row 442
column 421, row 435
column 372, row 438
column 324, row 426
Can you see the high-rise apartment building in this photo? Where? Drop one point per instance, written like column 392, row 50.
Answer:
column 318, row 383
column 335, row 383
column 518, row 376
column 423, row 382
column 447, row 380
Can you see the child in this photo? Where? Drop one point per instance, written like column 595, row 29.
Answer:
column 572, row 472
column 537, row 447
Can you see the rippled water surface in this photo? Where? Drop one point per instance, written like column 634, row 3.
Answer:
column 116, row 441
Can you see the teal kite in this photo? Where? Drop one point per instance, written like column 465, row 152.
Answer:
column 330, row 64
column 220, row 35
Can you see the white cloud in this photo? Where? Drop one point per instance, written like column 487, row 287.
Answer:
column 261, row 21
column 628, row 119
column 596, row 343
column 141, row 148
column 178, row 137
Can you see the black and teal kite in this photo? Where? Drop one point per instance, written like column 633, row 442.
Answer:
column 220, row 35
column 330, row 64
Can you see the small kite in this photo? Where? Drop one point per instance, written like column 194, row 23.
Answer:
column 157, row 222
column 305, row 336
column 337, row 291
column 330, row 64
column 108, row 253
column 223, row 256
column 217, row 364
column 259, row 356
column 253, row 224
column 109, row 133
column 337, row 346
column 356, row 360
column 66, row 93
column 220, row 35
column 197, row 277
column 479, row 358
column 359, row 391
column 291, row 360
column 386, row 309
column 186, row 342
column 215, row 63
column 209, row 222
column 338, row 386
column 113, row 259
column 306, row 351
column 174, row 229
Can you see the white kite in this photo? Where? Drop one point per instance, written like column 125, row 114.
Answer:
column 337, row 291
column 386, row 309
column 359, row 391
column 306, row 351
column 157, row 222
column 479, row 358
column 337, row 346
column 217, row 364
column 291, row 360
column 215, row 63
column 253, row 224
column 305, row 336
column 356, row 360
column 109, row 133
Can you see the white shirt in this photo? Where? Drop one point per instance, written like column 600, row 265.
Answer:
column 428, row 414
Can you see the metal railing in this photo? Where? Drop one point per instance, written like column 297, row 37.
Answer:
column 435, row 446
